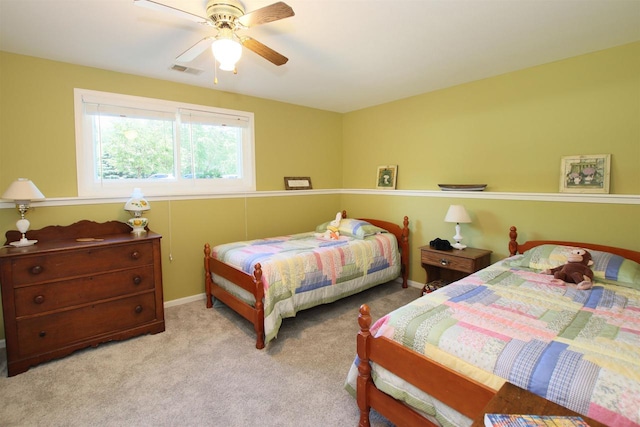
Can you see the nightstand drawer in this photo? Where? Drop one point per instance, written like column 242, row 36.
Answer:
column 444, row 267
column 448, row 260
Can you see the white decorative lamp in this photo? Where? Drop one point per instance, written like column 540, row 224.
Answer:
column 22, row 192
column 457, row 214
column 135, row 206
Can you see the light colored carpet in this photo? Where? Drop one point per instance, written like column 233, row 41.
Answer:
column 204, row 370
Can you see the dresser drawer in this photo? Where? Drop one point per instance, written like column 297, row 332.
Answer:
column 55, row 295
column 39, row 334
column 448, row 260
column 67, row 264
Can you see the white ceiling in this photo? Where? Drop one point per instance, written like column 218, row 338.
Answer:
column 343, row 54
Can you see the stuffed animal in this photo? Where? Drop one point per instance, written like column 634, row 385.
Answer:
column 576, row 271
column 333, row 229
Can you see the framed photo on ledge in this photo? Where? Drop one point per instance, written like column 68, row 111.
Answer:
column 386, row 178
column 585, row 173
column 297, row 183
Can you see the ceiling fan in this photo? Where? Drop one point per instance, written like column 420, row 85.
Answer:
column 228, row 17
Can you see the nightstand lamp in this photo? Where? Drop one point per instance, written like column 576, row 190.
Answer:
column 457, row 214
column 135, row 206
column 22, row 192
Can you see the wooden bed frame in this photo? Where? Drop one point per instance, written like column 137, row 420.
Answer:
column 253, row 283
column 459, row 392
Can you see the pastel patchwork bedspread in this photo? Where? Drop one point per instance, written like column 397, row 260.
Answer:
column 301, row 270
column 580, row 349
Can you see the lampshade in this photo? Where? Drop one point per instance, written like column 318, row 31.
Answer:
column 458, row 214
column 23, row 189
column 22, row 192
column 137, row 202
column 226, row 49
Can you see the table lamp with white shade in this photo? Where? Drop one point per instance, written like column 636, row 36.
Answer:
column 457, row 214
column 23, row 191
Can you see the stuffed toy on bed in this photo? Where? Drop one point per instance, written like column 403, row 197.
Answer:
column 575, row 272
column 333, row 229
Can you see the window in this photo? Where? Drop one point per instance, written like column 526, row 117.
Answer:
column 163, row 147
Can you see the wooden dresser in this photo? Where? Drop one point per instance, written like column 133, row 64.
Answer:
column 79, row 286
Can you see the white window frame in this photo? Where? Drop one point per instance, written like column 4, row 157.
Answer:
column 89, row 187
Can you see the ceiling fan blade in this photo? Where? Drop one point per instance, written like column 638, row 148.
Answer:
column 154, row 5
column 266, row 14
column 196, row 50
column 264, row 51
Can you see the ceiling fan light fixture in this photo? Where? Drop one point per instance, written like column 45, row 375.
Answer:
column 227, row 49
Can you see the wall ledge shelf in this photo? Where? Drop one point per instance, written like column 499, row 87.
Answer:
column 620, row 199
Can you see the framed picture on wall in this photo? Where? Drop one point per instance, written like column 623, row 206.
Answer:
column 386, row 177
column 297, row 183
column 585, row 173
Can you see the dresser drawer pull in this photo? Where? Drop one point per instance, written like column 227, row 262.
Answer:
column 137, row 280
column 42, row 334
column 39, row 299
column 138, row 309
column 444, row 261
column 135, row 255
column 36, row 269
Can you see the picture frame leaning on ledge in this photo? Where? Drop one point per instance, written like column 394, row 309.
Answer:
column 585, row 173
column 297, row 183
column 386, row 177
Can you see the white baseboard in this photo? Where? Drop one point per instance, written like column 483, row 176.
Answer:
column 414, row 284
column 185, row 300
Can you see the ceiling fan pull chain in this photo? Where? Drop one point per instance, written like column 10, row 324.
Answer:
column 215, row 71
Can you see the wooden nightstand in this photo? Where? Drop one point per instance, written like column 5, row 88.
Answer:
column 448, row 266
column 511, row 399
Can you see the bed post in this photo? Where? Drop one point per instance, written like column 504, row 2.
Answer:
column 258, row 322
column 207, row 275
column 364, row 368
column 404, row 256
column 513, row 243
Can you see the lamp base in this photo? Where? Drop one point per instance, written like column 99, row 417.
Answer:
column 23, row 242
column 139, row 232
column 459, row 246
column 138, row 225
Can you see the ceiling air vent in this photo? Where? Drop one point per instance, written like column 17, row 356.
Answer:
column 183, row 69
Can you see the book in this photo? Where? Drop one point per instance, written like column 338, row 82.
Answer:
column 513, row 420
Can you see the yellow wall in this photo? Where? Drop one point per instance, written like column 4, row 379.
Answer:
column 37, row 123
column 37, row 141
column 509, row 132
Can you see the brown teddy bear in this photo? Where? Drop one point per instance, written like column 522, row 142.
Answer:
column 576, row 271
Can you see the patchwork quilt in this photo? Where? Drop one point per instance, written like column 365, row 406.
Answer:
column 304, row 270
column 580, row 349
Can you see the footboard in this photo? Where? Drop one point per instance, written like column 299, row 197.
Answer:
column 402, row 235
column 250, row 283
column 461, row 393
